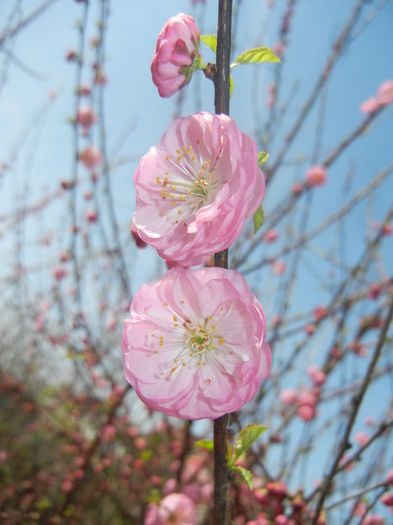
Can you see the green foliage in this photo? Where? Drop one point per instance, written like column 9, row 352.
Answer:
column 259, row 218
column 245, row 439
column 256, row 55
column 205, row 443
column 247, row 475
column 262, row 158
column 210, row 41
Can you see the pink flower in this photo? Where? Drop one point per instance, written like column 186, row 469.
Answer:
column 59, row 272
column 91, row 216
column 176, row 509
column 373, row 519
column 385, row 93
column 316, row 375
column 91, row 157
column 279, row 267
column 108, row 433
column 371, row 105
column 387, row 499
column 194, row 346
column 271, row 236
column 176, row 54
column 316, row 176
column 362, row 438
column 389, row 477
column 86, row 117
column 195, row 190
column 296, row 188
column 288, row 397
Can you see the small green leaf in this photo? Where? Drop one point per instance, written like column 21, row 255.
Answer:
column 262, row 158
column 256, row 56
column 210, row 41
column 205, row 443
column 259, row 218
column 247, row 476
column 246, row 438
column 231, row 85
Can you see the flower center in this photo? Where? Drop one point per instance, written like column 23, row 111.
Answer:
column 188, row 185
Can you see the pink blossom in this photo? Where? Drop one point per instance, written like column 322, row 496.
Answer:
column 59, row 272
column 176, row 54
column 176, row 509
column 306, row 412
column 369, row 421
column 281, row 519
column 373, row 519
column 385, row 93
column 108, row 433
column 194, row 346
column 91, row 157
column 86, row 117
column 371, row 105
column 387, row 499
column 91, row 216
column 195, row 190
column 319, row 313
column 316, row 375
column 296, row 188
column 362, row 438
column 271, row 236
column 389, row 477
column 316, row 176
column 288, row 397
column 279, row 267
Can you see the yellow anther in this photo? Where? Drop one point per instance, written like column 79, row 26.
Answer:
column 221, row 341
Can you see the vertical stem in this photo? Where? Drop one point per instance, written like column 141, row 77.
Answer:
column 221, row 104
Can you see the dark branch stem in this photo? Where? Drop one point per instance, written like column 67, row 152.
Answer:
column 221, row 104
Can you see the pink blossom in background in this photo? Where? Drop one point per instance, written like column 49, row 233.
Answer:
column 371, row 105
column 279, row 267
column 59, row 272
column 362, row 438
column 176, row 50
column 86, row 117
column 296, row 188
column 271, row 236
column 385, row 93
column 316, row 176
column 387, row 499
column 194, row 346
column 91, row 157
column 288, row 397
column 316, row 375
column 389, row 477
column 373, row 519
column 176, row 509
column 195, row 190
column 91, row 216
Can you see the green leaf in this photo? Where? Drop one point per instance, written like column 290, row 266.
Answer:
column 256, row 56
column 262, row 158
column 210, row 41
column 205, row 443
column 246, row 438
column 231, row 85
column 259, row 218
column 247, row 476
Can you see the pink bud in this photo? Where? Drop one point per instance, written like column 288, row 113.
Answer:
column 385, row 93
column 91, row 157
column 371, row 105
column 389, row 477
column 316, row 176
column 362, row 438
column 86, row 117
column 59, row 272
column 297, row 188
column 288, row 397
column 317, row 375
column 91, row 216
column 271, row 236
column 387, row 500
column 306, row 412
column 279, row 267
